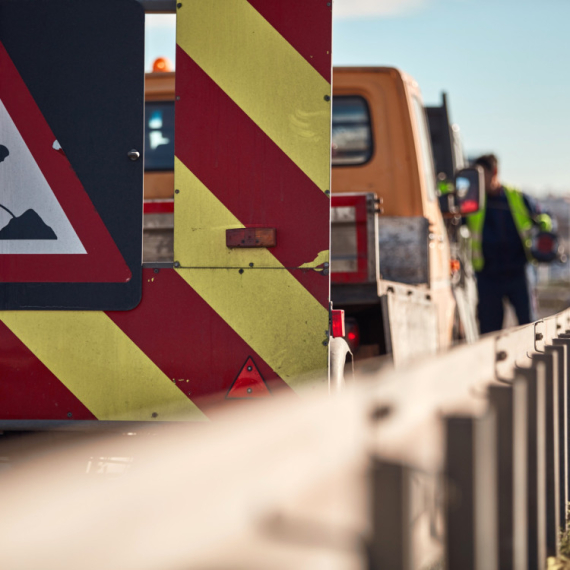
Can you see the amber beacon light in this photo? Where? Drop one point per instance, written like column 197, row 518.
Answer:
column 162, row 64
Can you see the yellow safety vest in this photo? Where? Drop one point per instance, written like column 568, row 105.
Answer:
column 523, row 222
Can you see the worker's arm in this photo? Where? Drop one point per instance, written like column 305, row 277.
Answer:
column 540, row 218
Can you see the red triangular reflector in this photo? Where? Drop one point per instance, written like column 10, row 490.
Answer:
column 249, row 383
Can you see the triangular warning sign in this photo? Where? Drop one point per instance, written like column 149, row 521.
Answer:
column 249, row 383
column 50, row 232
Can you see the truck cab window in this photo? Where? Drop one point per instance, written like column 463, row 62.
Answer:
column 351, row 131
column 159, row 136
column 425, row 145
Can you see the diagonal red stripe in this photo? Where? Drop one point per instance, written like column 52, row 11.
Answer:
column 306, row 25
column 246, row 170
column 28, row 390
column 186, row 338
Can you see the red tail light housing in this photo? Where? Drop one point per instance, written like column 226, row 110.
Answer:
column 352, row 335
column 337, row 323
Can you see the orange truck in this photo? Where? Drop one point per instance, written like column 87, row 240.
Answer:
column 391, row 265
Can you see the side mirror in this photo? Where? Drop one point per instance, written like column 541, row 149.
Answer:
column 469, row 190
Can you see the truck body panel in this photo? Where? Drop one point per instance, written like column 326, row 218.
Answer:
column 395, row 164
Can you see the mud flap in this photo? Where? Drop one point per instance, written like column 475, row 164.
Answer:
column 411, row 319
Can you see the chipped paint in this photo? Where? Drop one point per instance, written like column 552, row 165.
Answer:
column 323, row 257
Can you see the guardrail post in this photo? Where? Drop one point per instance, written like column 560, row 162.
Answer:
column 560, row 443
column 459, row 504
column 530, row 404
column 520, row 474
column 564, row 410
column 501, row 398
column 550, row 360
column 471, row 500
column 390, row 544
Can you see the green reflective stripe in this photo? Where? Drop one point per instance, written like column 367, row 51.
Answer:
column 475, row 224
column 522, row 218
column 523, row 223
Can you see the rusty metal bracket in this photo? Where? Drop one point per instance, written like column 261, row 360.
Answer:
column 251, row 237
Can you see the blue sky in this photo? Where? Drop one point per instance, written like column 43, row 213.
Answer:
column 504, row 64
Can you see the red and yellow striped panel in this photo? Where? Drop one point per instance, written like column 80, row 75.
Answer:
column 153, row 363
column 252, row 150
column 253, row 116
column 88, row 366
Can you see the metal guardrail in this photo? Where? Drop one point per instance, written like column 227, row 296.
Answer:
column 472, row 455
column 460, row 461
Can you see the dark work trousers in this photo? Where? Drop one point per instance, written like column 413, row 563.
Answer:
column 492, row 290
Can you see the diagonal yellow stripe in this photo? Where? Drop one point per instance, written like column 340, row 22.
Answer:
column 273, row 313
column 100, row 365
column 268, row 308
column 200, row 224
column 264, row 75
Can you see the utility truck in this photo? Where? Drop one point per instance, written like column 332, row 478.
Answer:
column 398, row 269
column 449, row 157
column 391, row 260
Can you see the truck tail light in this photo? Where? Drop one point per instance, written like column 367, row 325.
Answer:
column 352, row 336
column 337, row 323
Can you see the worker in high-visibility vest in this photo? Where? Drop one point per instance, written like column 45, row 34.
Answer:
column 501, row 242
